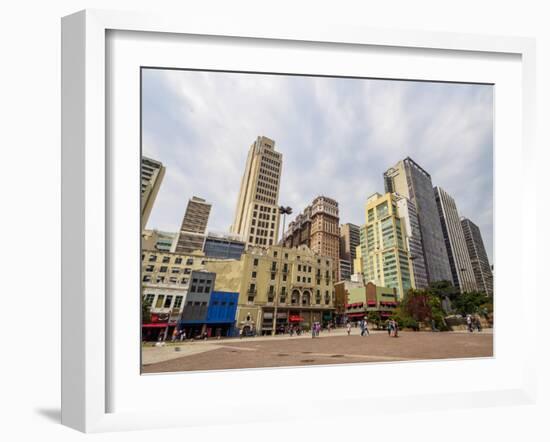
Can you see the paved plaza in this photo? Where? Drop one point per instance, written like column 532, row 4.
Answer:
column 329, row 348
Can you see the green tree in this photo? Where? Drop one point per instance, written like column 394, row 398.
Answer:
column 471, row 303
column 374, row 318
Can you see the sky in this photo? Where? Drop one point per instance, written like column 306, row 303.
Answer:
column 337, row 137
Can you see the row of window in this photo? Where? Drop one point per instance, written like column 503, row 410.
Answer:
column 163, row 280
column 163, row 301
column 168, row 259
column 164, row 269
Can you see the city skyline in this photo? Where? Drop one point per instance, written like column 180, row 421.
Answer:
column 191, row 118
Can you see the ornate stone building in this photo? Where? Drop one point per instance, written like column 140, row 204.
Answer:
column 318, row 227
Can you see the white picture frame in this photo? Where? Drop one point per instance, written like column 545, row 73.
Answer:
column 86, row 206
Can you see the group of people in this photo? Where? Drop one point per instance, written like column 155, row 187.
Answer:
column 473, row 322
column 363, row 326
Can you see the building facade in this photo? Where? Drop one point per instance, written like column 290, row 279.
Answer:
column 191, row 236
column 478, row 256
column 350, row 238
column 359, row 300
column 410, row 180
column 152, row 174
column 407, row 212
column 385, row 258
column 455, row 242
column 165, row 283
column 345, row 269
column 295, row 282
column 195, row 310
column 157, row 240
column 223, row 246
column 257, row 213
column 318, row 228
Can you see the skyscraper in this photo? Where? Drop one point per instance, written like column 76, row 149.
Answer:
column 152, row 174
column 349, row 240
column 318, row 228
column 408, row 179
column 193, row 227
column 407, row 212
column 386, row 261
column 478, row 256
column 455, row 242
column 257, row 213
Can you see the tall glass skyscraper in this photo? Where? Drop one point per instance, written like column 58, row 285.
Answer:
column 461, row 267
column 478, row 256
column 410, row 180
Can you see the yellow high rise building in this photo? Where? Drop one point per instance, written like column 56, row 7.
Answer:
column 384, row 256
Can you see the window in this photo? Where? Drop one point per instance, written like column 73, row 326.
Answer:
column 173, row 280
column 175, row 270
column 163, row 269
column 298, row 278
column 193, row 288
column 189, row 262
column 186, row 271
column 256, row 262
column 147, row 278
column 150, row 268
column 168, row 301
column 148, row 300
column 152, row 258
column 178, row 260
column 178, row 301
column 160, row 279
column 160, row 301
column 253, row 274
column 185, row 280
column 275, row 253
column 200, row 289
column 165, row 259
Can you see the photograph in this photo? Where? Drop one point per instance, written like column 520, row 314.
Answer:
column 305, row 220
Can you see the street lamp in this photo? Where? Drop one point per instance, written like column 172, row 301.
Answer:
column 282, row 211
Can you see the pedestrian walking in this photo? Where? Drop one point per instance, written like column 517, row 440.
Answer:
column 390, row 327
column 469, row 323
column 478, row 324
column 348, row 328
column 395, row 329
column 182, row 335
column 366, row 326
column 362, row 327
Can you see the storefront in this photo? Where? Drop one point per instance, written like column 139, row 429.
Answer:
column 297, row 318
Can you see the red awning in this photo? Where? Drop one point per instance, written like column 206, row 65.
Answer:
column 371, row 302
column 155, row 325
column 356, row 315
column 293, row 318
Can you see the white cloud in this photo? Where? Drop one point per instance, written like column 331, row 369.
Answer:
column 337, row 136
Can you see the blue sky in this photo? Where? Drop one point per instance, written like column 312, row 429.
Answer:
column 337, row 136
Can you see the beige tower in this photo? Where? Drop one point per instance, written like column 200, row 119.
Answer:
column 193, row 227
column 152, row 173
column 257, row 215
